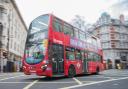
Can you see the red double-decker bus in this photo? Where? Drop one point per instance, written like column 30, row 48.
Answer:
column 54, row 48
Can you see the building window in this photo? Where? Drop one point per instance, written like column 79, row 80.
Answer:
column 122, row 36
column 1, row 12
column 113, row 45
column 121, row 44
column 11, row 44
column 104, row 37
column 14, row 45
column 105, row 45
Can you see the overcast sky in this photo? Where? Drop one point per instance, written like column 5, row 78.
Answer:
column 67, row 9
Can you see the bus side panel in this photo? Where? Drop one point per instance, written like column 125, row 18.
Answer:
column 77, row 64
column 66, row 67
column 101, row 66
column 91, row 67
column 66, row 40
column 94, row 66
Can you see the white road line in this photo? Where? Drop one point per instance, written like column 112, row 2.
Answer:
column 88, row 81
column 95, row 77
column 9, row 74
column 3, row 75
column 10, row 77
column 30, row 85
column 79, row 82
column 75, row 86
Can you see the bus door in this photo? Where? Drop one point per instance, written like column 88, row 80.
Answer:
column 57, row 59
column 85, row 62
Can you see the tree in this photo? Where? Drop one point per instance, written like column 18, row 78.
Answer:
column 79, row 22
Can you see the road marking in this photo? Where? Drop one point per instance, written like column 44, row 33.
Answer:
column 75, row 86
column 115, row 84
column 10, row 77
column 30, row 85
column 6, row 74
column 79, row 82
column 95, row 77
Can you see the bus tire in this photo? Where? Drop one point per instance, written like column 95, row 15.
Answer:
column 97, row 71
column 71, row 71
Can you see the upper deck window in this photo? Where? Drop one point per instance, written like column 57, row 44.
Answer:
column 76, row 32
column 82, row 35
column 57, row 25
column 38, row 29
column 39, row 24
column 68, row 30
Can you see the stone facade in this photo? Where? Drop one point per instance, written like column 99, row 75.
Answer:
column 114, row 38
column 13, row 33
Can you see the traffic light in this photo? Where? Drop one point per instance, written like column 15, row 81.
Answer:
column 5, row 54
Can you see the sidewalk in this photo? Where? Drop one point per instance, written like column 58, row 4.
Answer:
column 115, row 71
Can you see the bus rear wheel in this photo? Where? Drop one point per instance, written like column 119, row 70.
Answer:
column 71, row 72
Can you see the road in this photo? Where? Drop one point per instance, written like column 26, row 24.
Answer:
column 109, row 79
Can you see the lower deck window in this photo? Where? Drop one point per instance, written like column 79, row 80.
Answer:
column 70, row 55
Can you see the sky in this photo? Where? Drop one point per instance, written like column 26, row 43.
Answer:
column 120, row 8
column 67, row 9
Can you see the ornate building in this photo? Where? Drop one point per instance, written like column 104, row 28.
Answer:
column 13, row 34
column 114, row 38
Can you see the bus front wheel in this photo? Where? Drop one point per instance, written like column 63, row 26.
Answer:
column 71, row 72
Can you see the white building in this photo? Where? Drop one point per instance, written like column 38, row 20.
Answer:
column 13, row 32
column 114, row 38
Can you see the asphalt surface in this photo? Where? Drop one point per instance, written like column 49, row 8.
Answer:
column 108, row 79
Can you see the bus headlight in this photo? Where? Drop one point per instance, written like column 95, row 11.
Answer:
column 24, row 67
column 44, row 67
column 45, row 61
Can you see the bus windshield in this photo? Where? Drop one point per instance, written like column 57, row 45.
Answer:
column 37, row 40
